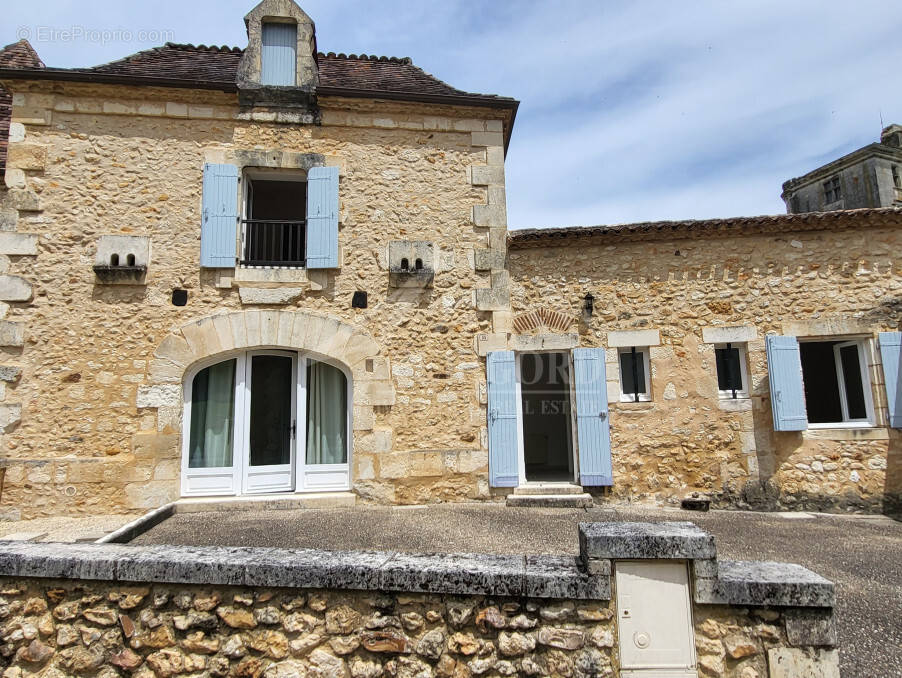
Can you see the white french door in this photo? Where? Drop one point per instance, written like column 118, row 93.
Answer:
column 263, row 422
column 269, row 435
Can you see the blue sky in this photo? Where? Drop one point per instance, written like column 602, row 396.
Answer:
column 630, row 111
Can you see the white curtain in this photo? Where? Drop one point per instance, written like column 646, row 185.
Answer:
column 212, row 416
column 327, row 414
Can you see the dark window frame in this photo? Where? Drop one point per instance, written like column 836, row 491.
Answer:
column 636, row 353
column 738, row 369
column 272, row 243
column 841, row 381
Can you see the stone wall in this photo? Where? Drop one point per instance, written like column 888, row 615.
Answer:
column 91, row 416
column 65, row 627
column 96, row 629
column 109, row 610
column 841, row 281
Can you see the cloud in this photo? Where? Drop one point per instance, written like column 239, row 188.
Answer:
column 630, row 111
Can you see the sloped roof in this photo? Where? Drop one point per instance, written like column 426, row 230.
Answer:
column 663, row 230
column 212, row 67
column 20, row 55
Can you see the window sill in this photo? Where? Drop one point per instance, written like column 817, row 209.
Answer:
column 845, row 433
column 632, row 406
column 741, row 404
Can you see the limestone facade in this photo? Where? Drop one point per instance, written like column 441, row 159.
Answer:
column 92, row 405
column 93, row 374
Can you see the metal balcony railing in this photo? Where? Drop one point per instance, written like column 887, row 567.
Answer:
column 273, row 243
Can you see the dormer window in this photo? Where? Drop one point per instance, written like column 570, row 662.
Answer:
column 279, row 53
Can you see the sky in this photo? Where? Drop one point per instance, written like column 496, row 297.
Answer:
column 630, row 111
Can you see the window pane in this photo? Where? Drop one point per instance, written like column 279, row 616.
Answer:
column 271, row 416
column 851, row 368
column 327, row 414
column 821, row 386
column 212, row 416
column 630, row 378
column 728, row 369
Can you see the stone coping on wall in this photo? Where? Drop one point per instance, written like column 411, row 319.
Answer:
column 482, row 574
column 753, row 583
column 627, row 541
column 583, row 577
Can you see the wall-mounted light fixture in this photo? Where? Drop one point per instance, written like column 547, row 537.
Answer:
column 588, row 304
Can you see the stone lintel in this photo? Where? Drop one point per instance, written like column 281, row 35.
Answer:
column 656, row 541
column 760, row 583
column 826, row 327
column 544, row 342
column 461, row 574
column 629, row 338
column 723, row 334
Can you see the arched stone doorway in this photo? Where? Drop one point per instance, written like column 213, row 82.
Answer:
column 318, row 377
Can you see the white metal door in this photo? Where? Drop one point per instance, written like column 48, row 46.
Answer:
column 270, row 419
column 654, row 618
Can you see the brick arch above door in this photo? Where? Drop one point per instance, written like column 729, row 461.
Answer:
column 301, row 331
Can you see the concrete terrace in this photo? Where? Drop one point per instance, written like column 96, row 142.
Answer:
column 859, row 553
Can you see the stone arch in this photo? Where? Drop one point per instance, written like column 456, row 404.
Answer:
column 542, row 320
column 295, row 330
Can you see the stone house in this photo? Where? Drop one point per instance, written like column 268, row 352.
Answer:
column 275, row 270
column 868, row 177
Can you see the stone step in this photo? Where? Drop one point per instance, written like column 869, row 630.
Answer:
column 582, row 500
column 267, row 502
column 548, row 488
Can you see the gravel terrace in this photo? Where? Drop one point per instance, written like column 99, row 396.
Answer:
column 861, row 554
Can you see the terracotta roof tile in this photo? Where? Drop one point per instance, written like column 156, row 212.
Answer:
column 218, row 66
column 20, row 55
column 662, row 230
column 17, row 55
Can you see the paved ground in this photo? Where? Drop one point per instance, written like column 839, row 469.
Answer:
column 62, row 528
column 862, row 554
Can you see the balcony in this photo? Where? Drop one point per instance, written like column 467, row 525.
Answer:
column 273, row 243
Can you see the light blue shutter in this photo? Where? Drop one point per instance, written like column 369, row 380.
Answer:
column 593, row 430
column 787, row 395
column 279, row 54
column 219, row 218
column 503, row 427
column 890, row 349
column 322, row 217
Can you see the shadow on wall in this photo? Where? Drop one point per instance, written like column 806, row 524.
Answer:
column 892, row 492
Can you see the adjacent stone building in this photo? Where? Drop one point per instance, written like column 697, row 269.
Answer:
column 868, row 177
column 276, row 270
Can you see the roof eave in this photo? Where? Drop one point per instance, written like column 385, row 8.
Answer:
column 676, row 230
column 66, row 75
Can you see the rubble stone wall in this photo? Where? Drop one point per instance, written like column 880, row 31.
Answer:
column 93, row 628
column 822, row 283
